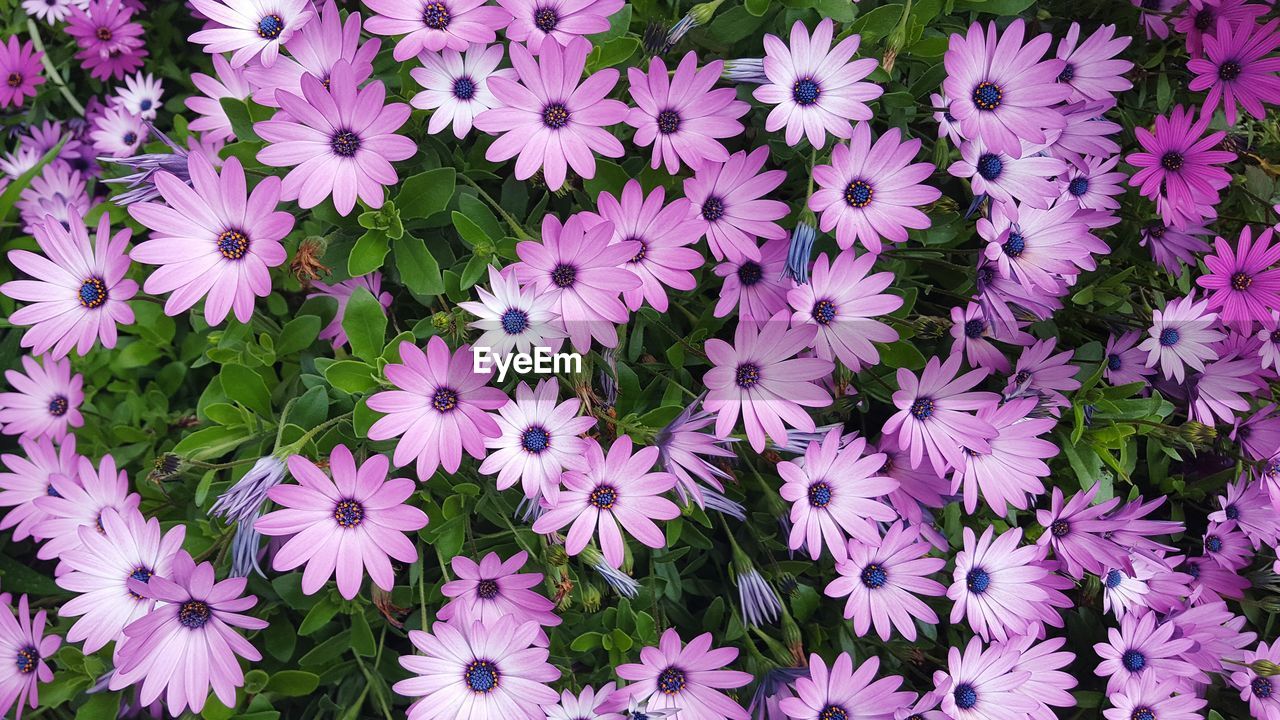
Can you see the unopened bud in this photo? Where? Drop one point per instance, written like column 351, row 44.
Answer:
column 557, row 556
column 590, row 598
column 1197, row 434
column 1264, row 668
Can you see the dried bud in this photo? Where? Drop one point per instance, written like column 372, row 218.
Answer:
column 306, row 265
column 166, row 467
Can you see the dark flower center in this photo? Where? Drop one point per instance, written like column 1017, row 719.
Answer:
column 555, row 116
column 14, row 80
column 1114, row 578
column 824, row 311
column 345, row 143
column 270, row 27
column 750, row 273
column 193, row 614
column 1213, row 544
column 1204, row 19
column 232, row 244
column 833, row 712
column 640, row 254
column 671, row 681
column 1015, row 245
column 668, row 121
column 1193, row 569
column 1169, row 337
column 1156, row 230
column 1275, row 336
column 1232, row 512
column 805, row 91
column 141, row 574
column 747, row 376
column 563, row 276
column 603, row 497
column 1171, row 161
column 445, row 399
column 348, row 513
column 1078, row 186
column 481, row 676
column 545, row 19
column 973, row 329
column 858, row 194
column 93, row 293
column 978, row 580
column 820, row 494
column 51, row 491
column 464, row 88
column 28, row 658
column 1113, row 362
column 58, row 406
column 1060, row 528
column 487, row 589
column 145, row 104
column 922, row 409
column 103, row 33
column 990, row 166
column 987, row 96
column 1241, row 281
column 515, row 321
column 130, row 137
column 1229, row 70
column 1068, row 72
column 712, row 209
column 1261, row 687
column 1133, row 661
column 535, row 439
column 1021, row 377
column 966, row 696
column 874, row 576
column 1143, row 713
column 435, row 15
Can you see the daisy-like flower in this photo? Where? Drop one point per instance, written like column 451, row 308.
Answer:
column 1243, row 286
column 492, row 589
column 1012, row 472
column 1212, row 583
column 729, row 200
column 57, row 192
column 434, row 25
column 29, row 477
column 997, row 585
column 1178, row 167
column 680, row 447
column 539, row 440
column 229, row 83
column 1078, row 532
column 1002, row 92
column 1269, row 337
column 1227, row 544
column 982, row 684
column 1048, row 685
column 1155, row 698
column 50, row 11
column 1151, row 583
column 548, row 118
column 843, row 691
column 314, row 51
column 22, row 638
column 1199, row 19
column 833, row 495
column 140, row 95
column 438, row 409
column 1181, row 335
column 118, row 133
column 680, row 115
column 1260, row 691
column 1174, row 248
column 1024, row 179
column 44, row 401
column 347, row 526
column 251, row 28
column 590, row 704
column 20, row 66
column 478, row 671
column 663, row 232
column 514, row 317
column 212, row 240
column 579, row 267
column 616, row 492
column 533, row 22
column 973, row 335
column 755, row 290
column 1093, row 183
column 1125, row 361
column 842, row 300
column 1245, row 504
column 103, row 28
column 882, row 580
column 187, row 643
column 1142, row 649
column 686, row 679
column 341, row 292
column 339, row 140
column 1223, row 390
column 80, row 292
column 456, row 86
column 128, row 546
column 79, row 501
column 932, row 419
column 1236, row 69
column 16, row 163
column 760, row 377
column 1090, row 67
column 870, row 192
column 815, row 87
column 1042, row 374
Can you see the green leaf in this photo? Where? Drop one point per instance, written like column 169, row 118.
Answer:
column 318, row 617
column 369, row 253
column 211, row 442
column 362, row 640
column 586, row 641
column 734, row 25
column 351, row 376
column 757, row 7
column 255, row 680
column 17, row 578
column 901, row 354
column 366, row 324
column 475, row 270
column 804, row 602
column 100, row 706
column 426, row 194
column 241, row 121
column 471, row 233
column 293, row 683
column 418, row 268
column 878, row 23
column 298, row 334
column 614, row 52
column 247, row 388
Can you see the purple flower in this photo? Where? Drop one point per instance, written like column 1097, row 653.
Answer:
column 883, row 578
column 685, row 678
column 1211, row 583
column 1163, row 699
column 1172, row 247
column 1039, row 248
column 590, row 704
column 57, row 192
column 118, row 133
column 1125, row 362
column 1077, row 532
column 1090, row 66
column 1245, row 503
column 681, row 115
column 1269, row 337
column 456, row 86
column 842, row 301
column 45, row 400
column 514, row 317
column 844, row 691
column 1227, row 545
column 755, row 289
column 340, row 141
column 1008, row 178
column 1235, row 69
column 1086, row 133
column 1259, row 690
column 1223, row 389
column 314, row 51
column 729, row 199
column 110, row 41
column 1015, row 466
column 973, row 335
column 1092, row 184
column 50, row 11
column 341, row 292
column 492, row 589
column 932, row 420
column 1182, row 334
column 435, row 24
column 20, row 66
column 998, row 586
column 1142, row 649
column 681, row 447
column 30, row 477
column 1199, row 19
column 815, row 87
column 539, row 440
column 550, row 120
column 533, row 22
column 78, row 501
column 1178, row 168
column 1243, row 286
column 250, row 28
column 23, row 640
column 1040, row 373
column 229, row 83
column 982, row 684
column 1048, row 685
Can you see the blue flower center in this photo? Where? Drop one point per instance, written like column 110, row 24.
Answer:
column 1068, row 73
column 535, row 439
column 987, row 95
column 93, row 293
column 130, row 137
column 712, row 209
column 1229, row 70
column 966, row 696
column 145, row 104
column 51, row 491
column 1133, row 661
column 1171, row 161
column 833, row 712
column 515, row 321
column 805, row 91
column 1241, row 282
column 824, row 311
column 1060, row 528
column 1213, row 544
column 750, row 273
column 28, row 659
column 464, row 88
column 1113, row 362
column 1204, row 19
column 58, row 406
column 820, row 494
column 563, row 276
column 990, row 166
column 270, row 27
column 545, row 19
column 1193, row 569
column 1169, row 337
column 668, row 121
column 481, row 676
column 1143, row 713
column 1114, row 578
column 671, row 681
column 232, row 244
column 1232, row 512
column 858, row 194
column 747, row 376
column 1015, row 245
column 444, row 399
column 603, row 497
column 348, row 513
column 1078, row 186
column 973, row 329
column 141, row 574
column 555, row 116
column 487, row 589
column 978, row 580
column 435, row 15
column 1156, row 230
column 1261, row 687
column 874, row 576
column 922, row 409
column 345, row 143
column 193, row 614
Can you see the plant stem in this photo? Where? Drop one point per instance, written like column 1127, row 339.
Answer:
column 51, row 70
column 516, row 227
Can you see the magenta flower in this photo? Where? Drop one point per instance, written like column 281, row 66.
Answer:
column 492, row 589
column 22, row 638
column 590, row 704
column 1090, row 67
column 873, row 192
column 1259, row 690
column 932, row 419
column 1212, row 583
column 1048, row 685
column 20, row 66
column 1092, row 184
column 1044, row 375
column 815, row 87
column 340, row 141
column 1012, row 471
column 973, row 335
column 1172, row 247
column 841, row 300
column 1008, row 178
column 341, row 292
column 212, row 241
column 1245, row 504
column 478, row 671
column 229, row 83
column 1181, row 335
column 685, row 678
column 127, row 546
column 435, row 24
column 534, row 21
column 982, row 684
column 1079, row 532
column 1002, row 92
column 1178, row 169
column 680, row 115
column 348, row 526
column 314, row 50
column 755, row 290
column 844, row 691
column 760, row 377
column 1142, row 649
column 550, row 120
column 44, row 401
column 187, row 644
column 1227, row 545
column 110, row 41
column 1039, row 248
column 456, row 86
column 1223, row 390
column 250, row 29
column 1199, row 19
column 578, row 266
column 539, row 440
column 1163, row 699
column 1236, row 69
column 729, row 199
column 681, row 445
column 883, row 578
column 614, row 493
column 78, row 500
column 438, row 409
column 29, row 477
column 1243, row 286
column 998, row 586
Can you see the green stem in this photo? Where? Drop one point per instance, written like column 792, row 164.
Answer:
column 516, row 227
column 51, row 70
column 298, row 444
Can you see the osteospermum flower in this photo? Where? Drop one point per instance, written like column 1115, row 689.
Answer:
column 870, row 192
column 1173, row 248
column 29, row 477
column 680, row 115
column 842, row 300
column 539, row 440
column 50, row 11
column 590, row 704
column 550, row 120
column 534, row 22
column 1247, row 505
column 20, row 67
column 1236, row 70
column 1223, row 390
column 815, row 87
column 685, row 678
column 1006, row 179
column 105, row 28
column 313, row 51
column 932, row 419
column 494, row 588
column 78, row 501
column 728, row 198
column 1049, row 686
column 1041, row 374
column 1078, row 532
column 1093, row 183
column 755, row 290
column 760, row 377
column 57, row 192
column 973, row 335
column 1178, row 167
column 140, row 95
column 1012, row 472
column 883, row 578
column 1039, row 248
column 339, row 140
column 982, row 684
column 250, row 28
column 1182, row 334
column 438, row 409
column 1090, row 67
column 1125, row 362
column 998, row 585
column 1260, row 691
column 843, row 691
column 478, row 671
column 1199, row 19
column 187, row 644
column 341, row 292
column 1243, row 285
column 212, row 240
column 79, row 293
column 514, row 317
column 118, row 133
column 44, row 401
column 127, row 546
column 1142, row 649
column 456, row 86
column 681, row 445
column 23, row 640
column 1002, row 92
column 616, row 492
column 229, row 83
column 435, row 24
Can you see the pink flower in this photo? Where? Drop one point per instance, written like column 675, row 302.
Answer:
column 250, row 28
column 687, row 678
column 998, row 586
column 341, row 292
column 883, row 578
column 44, row 401
column 1182, row 334
column 1236, row 69
column 842, row 301
column 20, row 66
column 1259, row 690
column 1092, row 184
column 973, row 335
column 229, row 83
column 30, row 477
column 533, row 22
column 1079, row 532
column 681, row 115
column 614, row 493
column 1243, row 285
column 729, row 200
column 590, row 704
column 539, row 439
column 1090, row 67
column 1042, row 374
column 755, row 289
column 438, row 408
column 1012, row 471
column 550, row 120
column 844, row 691
column 1178, row 167
column 78, row 501
column 1048, row 685
column 494, row 588
column 1171, row 247
column 118, row 133
column 982, row 684
column 110, row 40
column 435, row 24
column 348, row 526
column 314, row 51
column 456, row 86
column 1125, row 361
column 1022, row 178
column 22, row 638
column 932, row 418
column 1141, row 650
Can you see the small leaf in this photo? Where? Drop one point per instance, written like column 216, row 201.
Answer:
column 298, row 334
column 418, row 268
column 369, row 252
column 426, row 194
column 247, row 388
column 241, row 121
column 351, row 376
column 365, row 323
column 293, row 683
